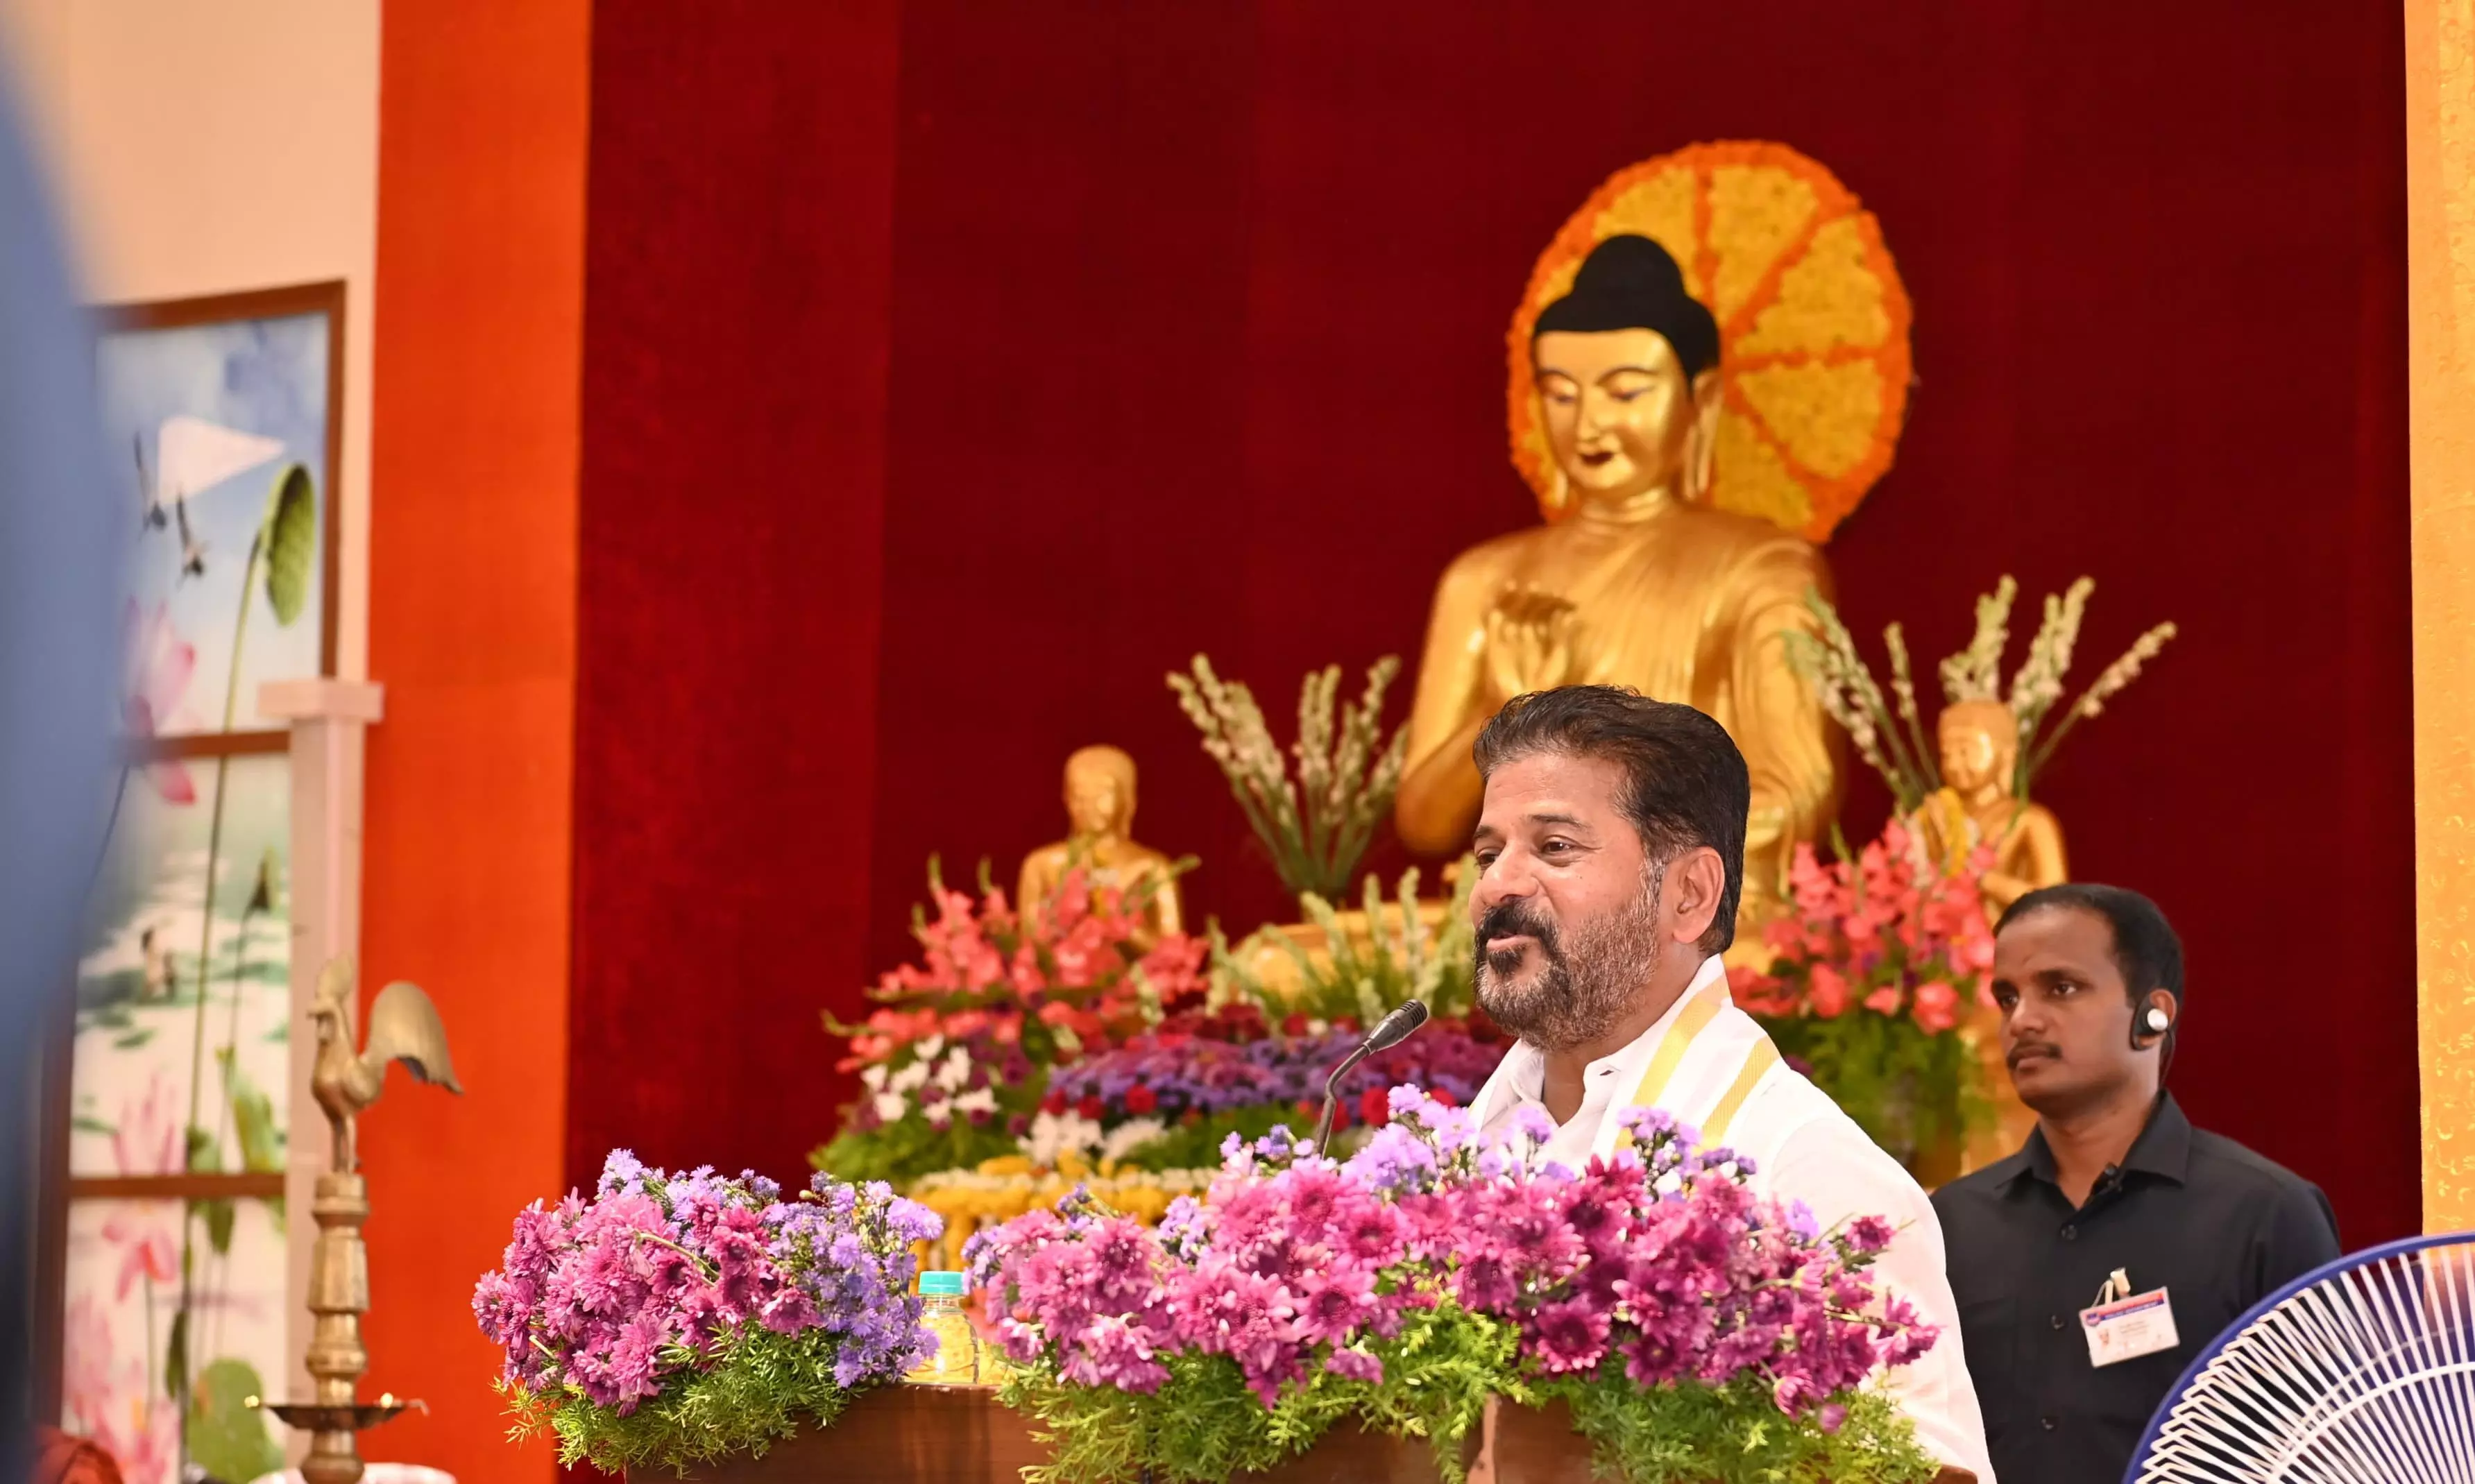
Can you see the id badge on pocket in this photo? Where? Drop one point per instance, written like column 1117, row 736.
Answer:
column 2127, row 1328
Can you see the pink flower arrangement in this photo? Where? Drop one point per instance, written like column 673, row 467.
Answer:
column 1888, row 932
column 1659, row 1266
column 1077, row 969
column 668, row 1293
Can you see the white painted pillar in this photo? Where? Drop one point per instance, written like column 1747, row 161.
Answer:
column 328, row 720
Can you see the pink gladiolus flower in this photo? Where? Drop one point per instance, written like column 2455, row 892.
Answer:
column 1937, row 1005
column 1884, row 1001
column 1827, row 991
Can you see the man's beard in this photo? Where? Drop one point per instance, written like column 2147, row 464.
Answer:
column 1579, row 991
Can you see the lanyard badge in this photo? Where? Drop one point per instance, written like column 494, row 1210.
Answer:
column 2124, row 1325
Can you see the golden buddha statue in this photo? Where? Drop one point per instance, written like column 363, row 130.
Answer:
column 1100, row 811
column 1979, row 741
column 1642, row 585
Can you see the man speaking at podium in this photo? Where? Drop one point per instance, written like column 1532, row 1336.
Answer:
column 1610, row 857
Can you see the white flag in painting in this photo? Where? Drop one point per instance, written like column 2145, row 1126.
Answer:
column 193, row 455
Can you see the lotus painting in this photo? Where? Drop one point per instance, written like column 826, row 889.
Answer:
column 221, row 432
column 176, row 1111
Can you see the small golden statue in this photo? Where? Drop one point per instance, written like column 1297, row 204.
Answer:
column 1642, row 585
column 403, row 1027
column 1100, row 814
column 1979, row 743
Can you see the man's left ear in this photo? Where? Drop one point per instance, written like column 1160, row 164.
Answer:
column 1695, row 882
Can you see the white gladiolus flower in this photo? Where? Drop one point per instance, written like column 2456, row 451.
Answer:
column 890, row 1107
column 939, row 1114
column 982, row 1100
column 1124, row 1138
column 911, row 1079
column 955, row 1070
column 873, row 1079
column 1054, row 1133
column 926, row 1049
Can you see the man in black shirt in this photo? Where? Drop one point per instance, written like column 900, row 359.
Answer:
column 2091, row 1266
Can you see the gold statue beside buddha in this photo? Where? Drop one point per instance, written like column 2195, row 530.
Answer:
column 1978, row 804
column 1641, row 585
column 1100, row 818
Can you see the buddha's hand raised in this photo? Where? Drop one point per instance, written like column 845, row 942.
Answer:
column 1529, row 644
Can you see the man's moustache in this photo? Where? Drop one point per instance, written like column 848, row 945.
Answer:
column 1507, row 919
column 2011, row 1059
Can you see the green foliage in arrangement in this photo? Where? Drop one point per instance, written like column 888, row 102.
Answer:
column 901, row 1151
column 1196, row 1145
column 1911, row 1090
column 766, row 1387
column 1203, row 1426
column 1405, row 960
column 1734, row 1434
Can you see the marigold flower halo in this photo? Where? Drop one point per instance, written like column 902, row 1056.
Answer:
column 1696, row 1329
column 1813, row 325
column 677, row 1319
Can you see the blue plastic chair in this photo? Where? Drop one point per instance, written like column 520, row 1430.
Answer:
column 2361, row 1371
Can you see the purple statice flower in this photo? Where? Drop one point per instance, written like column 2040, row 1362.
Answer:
column 658, row 1275
column 1170, row 1074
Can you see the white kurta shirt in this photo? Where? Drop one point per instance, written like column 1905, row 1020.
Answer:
column 1709, row 1064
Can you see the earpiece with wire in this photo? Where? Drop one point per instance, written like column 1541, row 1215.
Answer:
column 2147, row 1026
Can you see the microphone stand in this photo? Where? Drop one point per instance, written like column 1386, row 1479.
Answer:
column 1389, row 1032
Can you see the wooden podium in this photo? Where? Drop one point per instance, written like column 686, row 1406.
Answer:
column 958, row 1435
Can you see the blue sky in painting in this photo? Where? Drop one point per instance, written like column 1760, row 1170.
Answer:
column 262, row 376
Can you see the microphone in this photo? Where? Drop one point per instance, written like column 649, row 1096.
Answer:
column 1389, row 1032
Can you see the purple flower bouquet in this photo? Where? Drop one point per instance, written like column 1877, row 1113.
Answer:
column 677, row 1319
column 1698, row 1331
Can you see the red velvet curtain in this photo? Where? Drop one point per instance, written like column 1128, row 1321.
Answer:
column 954, row 373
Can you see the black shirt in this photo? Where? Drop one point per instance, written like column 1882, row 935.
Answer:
column 2214, row 1225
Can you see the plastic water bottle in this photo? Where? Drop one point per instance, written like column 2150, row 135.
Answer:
column 957, row 1361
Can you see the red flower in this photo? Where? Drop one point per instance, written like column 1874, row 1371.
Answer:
column 1092, row 1107
column 1295, row 1023
column 1443, row 1095
column 1140, row 1101
column 1055, row 1103
column 1374, row 1105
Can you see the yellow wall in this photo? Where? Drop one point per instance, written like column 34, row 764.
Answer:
column 2440, row 233
column 205, row 146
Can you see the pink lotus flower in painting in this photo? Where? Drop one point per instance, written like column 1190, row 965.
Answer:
column 147, row 1140
column 146, row 1248
column 107, row 1400
column 156, row 679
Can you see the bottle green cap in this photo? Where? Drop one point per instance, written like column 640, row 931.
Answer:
column 941, row 1285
